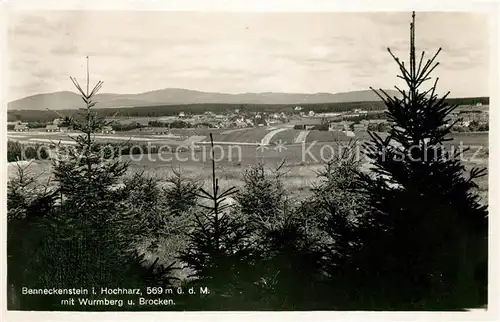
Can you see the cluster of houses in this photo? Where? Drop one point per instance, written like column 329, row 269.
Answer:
column 337, row 121
column 332, row 115
column 19, row 126
column 242, row 120
column 24, row 127
column 362, row 126
column 56, row 126
column 210, row 119
column 465, row 115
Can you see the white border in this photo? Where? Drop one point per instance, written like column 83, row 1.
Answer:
column 255, row 6
column 491, row 7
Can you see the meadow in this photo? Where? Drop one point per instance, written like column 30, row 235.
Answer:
column 302, row 160
column 286, row 135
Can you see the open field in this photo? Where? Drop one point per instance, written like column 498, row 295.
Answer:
column 237, row 149
column 264, row 135
column 298, row 179
column 301, row 159
column 241, row 146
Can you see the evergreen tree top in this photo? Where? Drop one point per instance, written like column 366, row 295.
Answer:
column 412, row 159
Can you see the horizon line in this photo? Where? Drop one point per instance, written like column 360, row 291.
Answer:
column 225, row 93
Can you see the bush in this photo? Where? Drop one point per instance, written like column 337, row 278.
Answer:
column 372, row 127
column 156, row 212
column 483, row 127
column 382, row 127
column 334, row 215
column 178, row 124
column 38, row 125
column 125, row 127
column 219, row 251
column 204, row 124
column 288, row 255
column 261, row 198
column 17, row 151
column 157, row 124
column 29, row 204
column 321, row 127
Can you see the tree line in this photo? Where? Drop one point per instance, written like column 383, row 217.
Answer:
column 174, row 110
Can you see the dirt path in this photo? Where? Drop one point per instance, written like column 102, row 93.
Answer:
column 267, row 138
column 301, row 138
column 193, row 139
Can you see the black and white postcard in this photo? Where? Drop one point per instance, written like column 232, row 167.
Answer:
column 189, row 160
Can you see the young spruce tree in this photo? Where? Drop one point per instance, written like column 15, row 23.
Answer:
column 94, row 251
column 428, row 232
column 219, row 251
column 287, row 252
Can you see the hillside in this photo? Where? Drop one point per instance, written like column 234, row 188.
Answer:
column 174, row 96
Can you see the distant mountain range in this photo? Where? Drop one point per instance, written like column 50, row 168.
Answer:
column 175, row 96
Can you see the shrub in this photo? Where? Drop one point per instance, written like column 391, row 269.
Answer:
column 289, row 265
column 262, row 198
column 17, row 151
column 29, row 204
column 219, row 251
column 372, row 127
column 334, row 215
column 157, row 212
column 178, row 124
column 288, row 255
column 483, row 127
column 117, row 126
column 321, row 127
column 26, row 197
column 204, row 124
column 382, row 127
column 38, row 125
column 180, row 194
column 158, row 217
column 157, row 124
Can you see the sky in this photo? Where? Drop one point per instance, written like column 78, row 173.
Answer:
column 229, row 52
